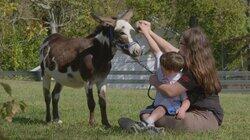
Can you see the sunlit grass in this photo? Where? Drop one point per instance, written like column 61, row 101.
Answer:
column 121, row 102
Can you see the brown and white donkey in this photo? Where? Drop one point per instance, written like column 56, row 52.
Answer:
column 78, row 62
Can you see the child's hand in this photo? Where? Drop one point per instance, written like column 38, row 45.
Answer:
column 180, row 114
column 143, row 26
column 153, row 80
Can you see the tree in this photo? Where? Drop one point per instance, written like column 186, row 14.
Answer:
column 25, row 23
column 222, row 20
column 20, row 33
column 248, row 28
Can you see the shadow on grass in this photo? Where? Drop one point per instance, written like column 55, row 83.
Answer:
column 2, row 137
column 23, row 120
column 113, row 130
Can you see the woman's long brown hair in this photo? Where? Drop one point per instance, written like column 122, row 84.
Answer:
column 199, row 59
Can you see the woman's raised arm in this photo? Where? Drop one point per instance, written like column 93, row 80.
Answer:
column 164, row 45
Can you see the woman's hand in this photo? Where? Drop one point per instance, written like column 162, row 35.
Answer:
column 153, row 80
column 143, row 26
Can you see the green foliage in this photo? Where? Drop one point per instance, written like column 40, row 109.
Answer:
column 24, row 24
column 221, row 20
column 10, row 108
column 20, row 39
column 160, row 13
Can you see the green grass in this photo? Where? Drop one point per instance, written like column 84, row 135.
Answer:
column 121, row 102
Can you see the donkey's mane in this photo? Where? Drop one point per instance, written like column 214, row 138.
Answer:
column 97, row 30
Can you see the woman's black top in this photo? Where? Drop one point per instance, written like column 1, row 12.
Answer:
column 197, row 97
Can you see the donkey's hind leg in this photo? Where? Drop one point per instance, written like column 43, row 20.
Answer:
column 90, row 102
column 55, row 99
column 101, row 87
column 47, row 96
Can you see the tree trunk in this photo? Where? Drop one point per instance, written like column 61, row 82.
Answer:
column 53, row 27
column 248, row 58
column 248, row 48
column 193, row 21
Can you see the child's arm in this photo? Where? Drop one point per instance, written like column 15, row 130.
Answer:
column 152, row 44
column 165, row 45
column 182, row 110
column 145, row 29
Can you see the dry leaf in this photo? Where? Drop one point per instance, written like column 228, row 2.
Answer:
column 7, row 88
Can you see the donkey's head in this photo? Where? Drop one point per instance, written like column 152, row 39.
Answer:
column 120, row 33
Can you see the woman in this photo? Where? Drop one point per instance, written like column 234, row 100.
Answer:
column 199, row 80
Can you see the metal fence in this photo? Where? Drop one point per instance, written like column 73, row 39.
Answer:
column 230, row 80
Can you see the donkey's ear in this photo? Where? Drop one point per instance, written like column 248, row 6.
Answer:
column 128, row 14
column 96, row 18
column 108, row 21
column 104, row 20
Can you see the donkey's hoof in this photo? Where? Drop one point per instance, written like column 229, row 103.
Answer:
column 48, row 122
column 91, row 123
column 106, row 125
column 57, row 121
column 48, row 119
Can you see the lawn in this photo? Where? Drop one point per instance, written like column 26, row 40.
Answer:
column 121, row 102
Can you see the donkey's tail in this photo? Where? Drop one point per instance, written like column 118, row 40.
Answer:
column 43, row 46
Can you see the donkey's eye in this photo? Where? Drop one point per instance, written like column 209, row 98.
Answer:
column 122, row 33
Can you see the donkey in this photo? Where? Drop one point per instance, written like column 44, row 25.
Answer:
column 83, row 62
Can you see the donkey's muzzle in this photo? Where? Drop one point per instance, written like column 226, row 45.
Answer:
column 137, row 52
column 137, row 27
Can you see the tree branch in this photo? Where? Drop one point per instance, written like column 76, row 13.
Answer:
column 65, row 23
column 44, row 6
column 246, row 38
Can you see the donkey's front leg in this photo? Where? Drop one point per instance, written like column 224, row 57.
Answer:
column 91, row 102
column 55, row 100
column 101, row 86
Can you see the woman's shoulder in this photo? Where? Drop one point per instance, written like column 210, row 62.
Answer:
column 187, row 73
column 188, row 79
